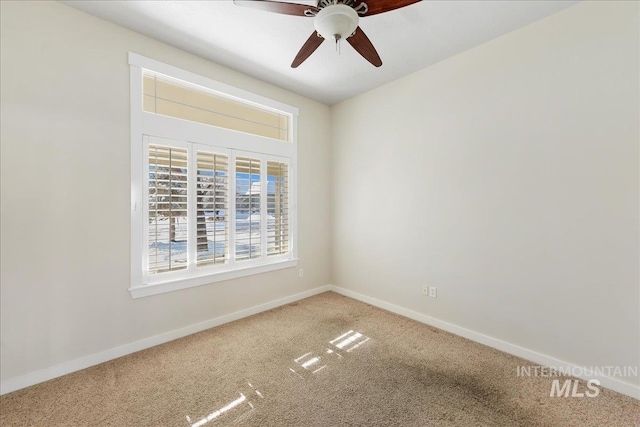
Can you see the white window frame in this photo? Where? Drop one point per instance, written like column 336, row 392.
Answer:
column 145, row 126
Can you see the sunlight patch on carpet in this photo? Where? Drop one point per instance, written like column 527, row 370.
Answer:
column 241, row 407
column 313, row 364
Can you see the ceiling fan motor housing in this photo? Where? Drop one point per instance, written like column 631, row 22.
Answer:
column 336, row 21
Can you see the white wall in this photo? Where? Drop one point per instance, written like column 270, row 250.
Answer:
column 507, row 176
column 65, row 193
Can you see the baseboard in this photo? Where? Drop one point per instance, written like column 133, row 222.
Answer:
column 611, row 383
column 113, row 353
column 110, row 354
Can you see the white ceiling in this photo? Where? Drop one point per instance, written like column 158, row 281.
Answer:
column 263, row 44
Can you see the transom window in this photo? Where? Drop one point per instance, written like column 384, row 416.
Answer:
column 213, row 185
column 173, row 98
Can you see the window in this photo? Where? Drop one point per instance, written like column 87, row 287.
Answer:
column 213, row 184
column 170, row 97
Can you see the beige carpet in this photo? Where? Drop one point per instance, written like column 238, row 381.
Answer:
column 324, row 361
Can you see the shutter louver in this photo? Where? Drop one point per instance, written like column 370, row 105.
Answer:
column 277, row 208
column 248, row 215
column 167, row 208
column 212, row 208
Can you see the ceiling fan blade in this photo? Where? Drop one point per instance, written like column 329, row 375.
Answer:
column 362, row 44
column 307, row 49
column 277, row 6
column 381, row 6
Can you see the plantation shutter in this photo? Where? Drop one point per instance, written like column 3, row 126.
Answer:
column 248, row 237
column 212, row 205
column 277, row 208
column 167, row 227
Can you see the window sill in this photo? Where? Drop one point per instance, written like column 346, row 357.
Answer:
column 174, row 285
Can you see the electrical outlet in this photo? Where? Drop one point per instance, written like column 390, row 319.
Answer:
column 433, row 292
column 425, row 290
column 301, row 273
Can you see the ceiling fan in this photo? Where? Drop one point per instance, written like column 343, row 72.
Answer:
column 333, row 19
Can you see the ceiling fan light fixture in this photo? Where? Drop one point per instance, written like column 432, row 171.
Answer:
column 336, row 22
